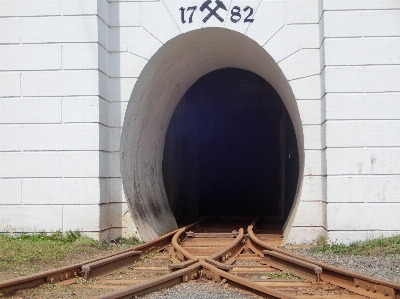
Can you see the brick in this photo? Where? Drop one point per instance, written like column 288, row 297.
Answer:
column 310, row 111
column 10, row 84
column 50, row 137
column 382, row 133
column 269, row 18
column 10, row 192
column 369, row 216
column 374, row 51
column 363, row 189
column 30, row 164
column 303, row 11
column 63, row 30
column 69, row 83
column 284, row 43
column 85, row 56
column 343, row 24
column 312, row 188
column 78, row 7
column 382, row 78
column 304, row 63
column 30, row 57
column 163, row 27
column 360, row 4
column 121, row 89
column 363, row 106
column 80, row 164
column 312, row 137
column 309, row 88
column 126, row 65
column 29, row 8
column 345, row 134
column 32, row 218
column 72, row 218
column 60, row 191
column 19, row 111
column 352, row 161
column 83, row 110
column 125, row 14
column 311, row 36
column 344, row 79
column 382, row 23
column 10, row 31
column 142, row 43
column 174, row 10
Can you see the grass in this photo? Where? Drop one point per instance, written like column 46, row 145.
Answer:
column 23, row 254
column 378, row 247
column 280, row 275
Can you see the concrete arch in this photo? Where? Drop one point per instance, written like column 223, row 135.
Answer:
column 161, row 85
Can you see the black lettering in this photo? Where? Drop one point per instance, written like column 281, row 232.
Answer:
column 236, row 16
column 193, row 8
column 250, row 14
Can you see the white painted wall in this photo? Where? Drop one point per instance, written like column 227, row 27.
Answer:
column 68, row 68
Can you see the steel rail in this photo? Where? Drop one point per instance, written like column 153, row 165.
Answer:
column 352, row 281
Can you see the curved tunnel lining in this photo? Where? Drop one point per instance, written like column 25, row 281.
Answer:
column 162, row 83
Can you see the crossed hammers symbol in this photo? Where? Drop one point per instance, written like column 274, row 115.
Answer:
column 213, row 12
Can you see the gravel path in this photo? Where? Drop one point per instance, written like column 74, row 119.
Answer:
column 377, row 266
column 200, row 290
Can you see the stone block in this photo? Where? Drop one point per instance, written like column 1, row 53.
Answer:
column 311, row 36
column 352, row 161
column 382, row 216
column 382, row 23
column 121, row 89
column 360, row 4
column 348, row 237
column 10, row 84
column 382, row 133
column 30, row 57
column 313, row 163
column 84, row 110
column 78, row 7
column 30, row 164
column 313, row 189
column 362, row 51
column 115, row 139
column 119, row 39
column 126, row 65
column 110, row 165
column 125, row 14
column 29, row 8
column 157, row 20
column 304, row 63
column 10, row 31
column 312, row 137
column 345, row 134
column 62, row 30
column 363, row 106
column 309, row 88
column 117, row 114
column 71, row 83
column 382, row 78
column 142, row 43
column 372, row 189
column 85, row 56
column 308, row 213
column 32, row 218
column 103, row 33
column 269, row 18
column 10, row 192
column 60, row 191
column 50, row 137
column 303, row 11
column 344, row 79
column 343, row 24
column 19, row 111
column 73, row 216
column 304, row 235
column 284, row 43
column 80, row 164
column 310, row 111
column 190, row 20
column 242, row 26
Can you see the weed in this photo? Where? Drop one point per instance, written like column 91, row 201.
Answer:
column 1, row 295
column 280, row 275
column 82, row 281
column 321, row 241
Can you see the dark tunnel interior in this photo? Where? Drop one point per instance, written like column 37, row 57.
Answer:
column 230, row 150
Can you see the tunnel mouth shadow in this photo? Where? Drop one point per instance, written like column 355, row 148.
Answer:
column 230, row 150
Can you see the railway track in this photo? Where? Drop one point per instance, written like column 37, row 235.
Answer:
column 240, row 252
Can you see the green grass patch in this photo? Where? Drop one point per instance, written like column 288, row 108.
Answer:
column 382, row 247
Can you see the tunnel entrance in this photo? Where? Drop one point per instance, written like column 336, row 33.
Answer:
column 230, row 150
